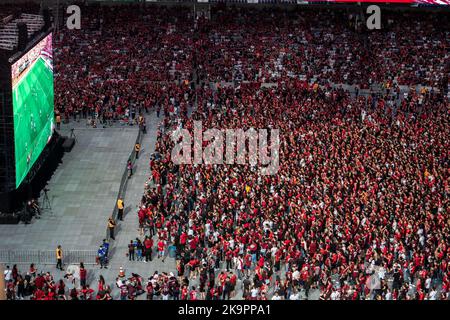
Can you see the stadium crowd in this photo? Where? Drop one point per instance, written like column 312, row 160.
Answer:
column 37, row 285
column 326, row 46
column 358, row 209
column 110, row 68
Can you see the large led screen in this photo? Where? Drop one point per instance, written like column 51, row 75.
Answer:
column 33, row 105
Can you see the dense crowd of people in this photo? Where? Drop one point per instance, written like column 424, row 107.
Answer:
column 37, row 285
column 267, row 45
column 358, row 209
column 111, row 68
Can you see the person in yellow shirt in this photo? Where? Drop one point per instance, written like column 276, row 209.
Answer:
column 423, row 90
column 137, row 148
column 111, row 226
column 59, row 256
column 120, row 206
column 58, row 121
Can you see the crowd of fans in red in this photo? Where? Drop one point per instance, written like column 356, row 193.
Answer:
column 327, row 46
column 113, row 65
column 37, row 285
column 358, row 209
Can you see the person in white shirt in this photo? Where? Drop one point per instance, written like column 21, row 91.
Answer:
column 232, row 244
column 335, row 295
column 8, row 274
column 276, row 296
column 381, row 273
column 295, row 296
column 119, row 283
column 266, row 225
column 239, row 263
column 273, row 252
column 296, row 275
column 433, row 294
column 428, row 284
column 254, row 293
column 241, row 248
column 207, row 229
column 388, row 295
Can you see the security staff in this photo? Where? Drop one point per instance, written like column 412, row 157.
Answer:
column 137, row 148
column 111, row 226
column 58, row 121
column 59, row 256
column 142, row 125
column 120, row 206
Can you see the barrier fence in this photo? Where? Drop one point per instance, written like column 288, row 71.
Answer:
column 45, row 257
column 124, row 181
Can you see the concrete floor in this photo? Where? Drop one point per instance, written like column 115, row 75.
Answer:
column 82, row 193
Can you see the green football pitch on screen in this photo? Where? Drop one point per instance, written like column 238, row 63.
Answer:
column 33, row 116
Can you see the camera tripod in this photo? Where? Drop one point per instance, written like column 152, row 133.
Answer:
column 72, row 134
column 46, row 205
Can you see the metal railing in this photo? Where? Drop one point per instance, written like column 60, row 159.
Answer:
column 45, row 257
column 124, row 181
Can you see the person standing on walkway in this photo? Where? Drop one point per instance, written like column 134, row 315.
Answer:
column 59, row 257
column 148, row 245
column 111, row 227
column 137, row 148
column 20, row 287
column 120, row 206
column 161, row 247
column 105, row 245
column 58, row 120
column 130, row 168
column 142, row 125
column 101, row 253
column 8, row 274
column 83, row 275
column 131, row 251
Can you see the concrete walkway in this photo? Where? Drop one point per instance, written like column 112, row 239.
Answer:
column 82, row 192
column 128, row 229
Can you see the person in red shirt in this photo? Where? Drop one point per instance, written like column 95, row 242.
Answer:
column 247, row 263
column 161, row 249
column 50, row 295
column 11, row 290
column 193, row 266
column 183, row 239
column 184, row 293
column 193, row 294
column 148, row 248
column 38, row 294
column 233, row 282
column 83, row 275
column 39, row 282
column 86, row 293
